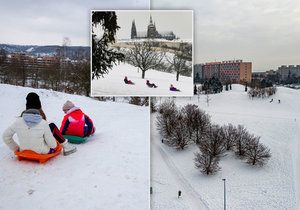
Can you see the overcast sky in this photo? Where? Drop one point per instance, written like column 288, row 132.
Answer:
column 180, row 22
column 45, row 22
column 266, row 32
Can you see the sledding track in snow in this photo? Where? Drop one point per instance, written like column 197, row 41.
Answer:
column 196, row 202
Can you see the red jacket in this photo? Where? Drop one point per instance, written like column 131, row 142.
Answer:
column 76, row 123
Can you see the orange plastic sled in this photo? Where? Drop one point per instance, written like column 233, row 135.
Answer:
column 33, row 156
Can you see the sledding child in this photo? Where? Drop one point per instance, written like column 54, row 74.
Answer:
column 172, row 88
column 33, row 131
column 128, row 82
column 151, row 85
column 75, row 122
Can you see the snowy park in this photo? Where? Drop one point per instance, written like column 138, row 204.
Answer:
column 109, row 171
column 113, row 83
column 275, row 185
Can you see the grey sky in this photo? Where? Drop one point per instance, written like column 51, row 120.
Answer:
column 46, row 22
column 180, row 22
column 266, row 32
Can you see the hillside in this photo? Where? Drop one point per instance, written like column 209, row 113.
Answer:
column 110, row 171
column 274, row 186
column 113, row 84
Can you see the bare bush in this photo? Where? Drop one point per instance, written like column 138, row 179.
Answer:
column 166, row 120
column 241, row 140
column 230, row 135
column 189, row 111
column 206, row 163
column 179, row 134
column 256, row 153
column 213, row 142
column 200, row 125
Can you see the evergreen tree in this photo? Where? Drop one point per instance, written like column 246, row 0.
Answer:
column 104, row 57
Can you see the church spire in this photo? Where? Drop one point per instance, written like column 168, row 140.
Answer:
column 150, row 19
column 133, row 30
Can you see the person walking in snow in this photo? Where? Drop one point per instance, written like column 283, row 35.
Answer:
column 75, row 122
column 151, row 85
column 172, row 88
column 271, row 100
column 279, row 101
column 128, row 82
column 33, row 131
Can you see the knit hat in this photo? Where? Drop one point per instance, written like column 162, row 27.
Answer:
column 33, row 101
column 67, row 106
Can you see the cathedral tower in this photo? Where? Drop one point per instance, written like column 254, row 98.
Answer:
column 133, row 30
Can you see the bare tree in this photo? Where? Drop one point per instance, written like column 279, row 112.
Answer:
column 213, row 142
column 179, row 63
column 179, row 133
column 256, row 153
column 241, row 139
column 189, row 111
column 201, row 123
column 144, row 56
column 207, row 99
column 166, row 118
column 206, row 163
column 230, row 134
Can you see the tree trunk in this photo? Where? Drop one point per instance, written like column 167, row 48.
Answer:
column 143, row 74
column 177, row 76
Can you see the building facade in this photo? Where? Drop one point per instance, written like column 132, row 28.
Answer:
column 288, row 71
column 234, row 71
column 151, row 32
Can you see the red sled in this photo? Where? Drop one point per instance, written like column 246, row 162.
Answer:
column 33, row 156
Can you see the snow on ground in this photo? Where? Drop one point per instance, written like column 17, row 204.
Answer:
column 110, row 171
column 113, row 83
column 274, row 186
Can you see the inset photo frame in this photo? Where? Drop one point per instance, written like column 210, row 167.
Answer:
column 142, row 53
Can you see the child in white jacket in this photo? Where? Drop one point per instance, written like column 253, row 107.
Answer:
column 33, row 133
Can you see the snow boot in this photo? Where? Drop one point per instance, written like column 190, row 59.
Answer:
column 68, row 148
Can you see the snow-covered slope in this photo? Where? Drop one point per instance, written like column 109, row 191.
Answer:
column 113, row 84
column 111, row 171
column 273, row 186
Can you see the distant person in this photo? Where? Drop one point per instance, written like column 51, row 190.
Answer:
column 271, row 100
column 172, row 88
column 75, row 122
column 279, row 101
column 151, row 85
column 179, row 193
column 33, row 131
column 128, row 82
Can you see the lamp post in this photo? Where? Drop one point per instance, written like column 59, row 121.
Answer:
column 224, row 180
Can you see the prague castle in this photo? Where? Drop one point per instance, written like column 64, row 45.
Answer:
column 151, row 32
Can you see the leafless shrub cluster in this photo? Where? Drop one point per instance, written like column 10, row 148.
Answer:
column 182, row 126
column 262, row 92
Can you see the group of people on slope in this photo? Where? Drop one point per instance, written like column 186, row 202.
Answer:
column 34, row 133
column 151, row 85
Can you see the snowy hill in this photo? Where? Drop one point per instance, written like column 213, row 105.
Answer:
column 110, row 171
column 273, row 186
column 113, row 84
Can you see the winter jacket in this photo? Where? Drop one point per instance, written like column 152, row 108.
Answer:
column 76, row 123
column 33, row 133
column 173, row 89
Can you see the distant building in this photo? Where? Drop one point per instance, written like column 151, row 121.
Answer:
column 288, row 71
column 151, row 32
column 235, row 71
